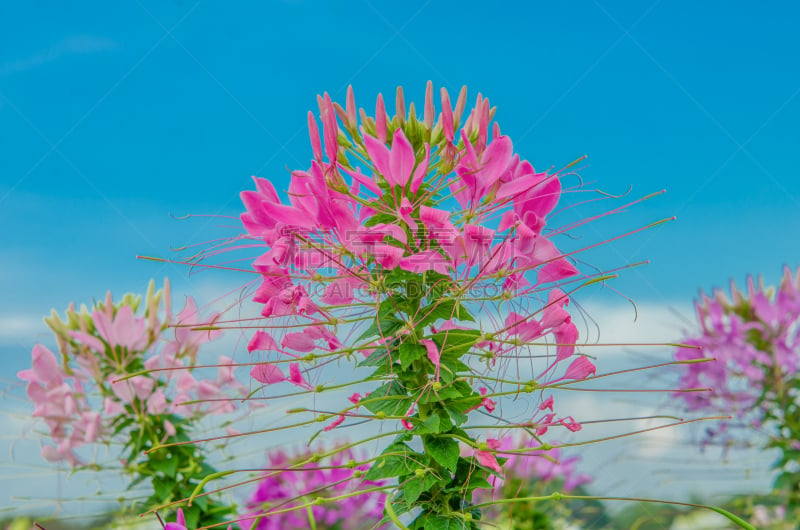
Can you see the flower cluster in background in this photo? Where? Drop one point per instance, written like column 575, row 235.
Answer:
column 128, row 378
column 532, row 472
column 293, row 479
column 752, row 345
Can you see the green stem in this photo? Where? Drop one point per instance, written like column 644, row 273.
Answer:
column 387, row 506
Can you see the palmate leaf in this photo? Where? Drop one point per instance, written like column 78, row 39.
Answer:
column 414, row 487
column 430, row 521
column 396, row 460
column 443, row 310
column 390, row 398
column 444, row 451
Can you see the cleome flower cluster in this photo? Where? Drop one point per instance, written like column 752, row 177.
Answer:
column 404, row 229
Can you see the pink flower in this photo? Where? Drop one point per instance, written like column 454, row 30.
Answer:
column 396, row 165
column 123, row 330
column 480, row 173
column 44, row 368
column 487, row 458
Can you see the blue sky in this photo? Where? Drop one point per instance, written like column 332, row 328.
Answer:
column 115, row 115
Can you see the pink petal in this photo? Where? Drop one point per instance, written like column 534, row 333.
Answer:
column 517, row 188
column 566, row 336
column 44, row 367
column 421, row 171
column 540, row 200
column 93, row 342
column 570, row 423
column 225, row 370
column 388, row 256
column 296, row 377
column 157, row 403
column 433, row 353
column 338, row 421
column 169, row 428
column 581, row 368
column 267, row 373
column 122, row 389
column 401, row 159
column 507, row 221
column 298, row 342
column 425, row 261
column 555, row 271
column 179, row 525
column 364, row 180
column 391, row 230
column 487, row 459
column 142, row 386
column 330, row 129
column 378, row 155
column 262, row 341
column 338, row 292
column 495, row 160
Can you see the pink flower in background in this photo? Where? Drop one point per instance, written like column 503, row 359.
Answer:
column 79, row 399
column 536, row 467
column 754, row 339
column 289, row 482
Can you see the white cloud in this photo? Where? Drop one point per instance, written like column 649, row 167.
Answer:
column 20, row 328
column 655, row 323
column 73, row 45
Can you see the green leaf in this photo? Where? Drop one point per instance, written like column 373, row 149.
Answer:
column 169, row 467
column 192, row 515
column 163, row 488
column 456, row 342
column 378, row 357
column 450, row 368
column 443, row 450
column 396, row 460
column 390, row 398
column 385, row 327
column 410, row 353
column 399, row 276
column 201, row 502
column 467, row 477
column 429, row 521
column 414, row 487
column 380, row 218
column 429, row 426
column 412, row 490
column 443, row 310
